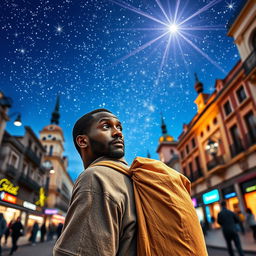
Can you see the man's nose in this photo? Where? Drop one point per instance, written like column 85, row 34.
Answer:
column 117, row 132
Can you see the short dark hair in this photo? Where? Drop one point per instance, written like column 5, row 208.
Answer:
column 83, row 125
column 223, row 204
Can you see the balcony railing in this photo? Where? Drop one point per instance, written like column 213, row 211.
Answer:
column 32, row 156
column 217, row 160
column 196, row 175
column 11, row 171
column 250, row 62
column 28, row 182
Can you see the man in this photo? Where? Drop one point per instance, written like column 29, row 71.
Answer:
column 101, row 219
column 228, row 220
column 2, row 229
column 16, row 231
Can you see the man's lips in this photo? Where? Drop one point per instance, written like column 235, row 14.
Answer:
column 118, row 143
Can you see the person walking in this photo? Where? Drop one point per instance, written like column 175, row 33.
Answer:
column 250, row 221
column 59, row 229
column 43, row 232
column 228, row 220
column 16, row 232
column 34, row 231
column 8, row 232
column 2, row 229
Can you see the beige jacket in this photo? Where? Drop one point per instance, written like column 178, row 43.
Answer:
column 101, row 220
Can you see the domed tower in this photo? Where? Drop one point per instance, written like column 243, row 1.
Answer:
column 167, row 148
column 59, row 183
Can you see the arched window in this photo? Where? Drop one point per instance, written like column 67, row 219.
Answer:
column 51, row 150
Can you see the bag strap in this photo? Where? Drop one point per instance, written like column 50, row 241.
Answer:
column 117, row 166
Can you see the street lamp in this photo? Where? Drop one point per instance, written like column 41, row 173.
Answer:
column 17, row 121
column 212, row 147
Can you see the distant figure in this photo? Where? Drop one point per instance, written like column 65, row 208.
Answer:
column 212, row 222
column 43, row 232
column 250, row 221
column 8, row 231
column 2, row 229
column 59, row 229
column 34, row 231
column 17, row 231
column 228, row 220
column 241, row 222
column 51, row 232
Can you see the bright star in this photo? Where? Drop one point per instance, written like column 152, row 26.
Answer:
column 173, row 28
column 22, row 51
column 59, row 29
column 230, row 5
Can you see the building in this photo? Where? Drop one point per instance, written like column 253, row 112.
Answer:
column 22, row 178
column 59, row 184
column 167, row 149
column 218, row 147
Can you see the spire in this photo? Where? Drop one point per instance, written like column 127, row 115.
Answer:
column 148, row 155
column 55, row 113
column 199, row 87
column 163, row 126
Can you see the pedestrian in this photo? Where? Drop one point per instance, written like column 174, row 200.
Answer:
column 102, row 217
column 2, row 230
column 34, row 231
column 250, row 221
column 43, row 232
column 16, row 232
column 228, row 220
column 8, row 231
column 59, row 229
column 51, row 232
column 241, row 219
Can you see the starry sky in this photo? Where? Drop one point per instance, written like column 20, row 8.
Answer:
column 136, row 58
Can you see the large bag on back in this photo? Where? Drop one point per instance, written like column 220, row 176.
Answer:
column 167, row 221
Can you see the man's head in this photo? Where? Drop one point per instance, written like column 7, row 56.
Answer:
column 98, row 133
column 223, row 204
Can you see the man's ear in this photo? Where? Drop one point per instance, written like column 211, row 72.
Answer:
column 82, row 141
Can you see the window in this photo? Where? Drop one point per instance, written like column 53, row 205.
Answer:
column 208, row 128
column 193, row 143
column 182, row 154
column 187, row 149
column 198, row 167
column 44, row 138
column 227, row 108
column 14, row 160
column 29, row 143
column 202, row 134
column 237, row 146
column 51, row 150
column 171, row 151
column 25, row 168
column 241, row 94
column 191, row 171
column 250, row 121
column 49, row 136
column 215, row 121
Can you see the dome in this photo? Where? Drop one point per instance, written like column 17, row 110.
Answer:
column 166, row 137
column 52, row 128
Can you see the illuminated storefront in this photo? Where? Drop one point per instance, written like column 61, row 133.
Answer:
column 230, row 196
column 212, row 206
column 249, row 193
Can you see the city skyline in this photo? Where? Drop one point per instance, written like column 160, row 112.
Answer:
column 105, row 54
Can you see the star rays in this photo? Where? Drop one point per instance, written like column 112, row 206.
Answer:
column 175, row 26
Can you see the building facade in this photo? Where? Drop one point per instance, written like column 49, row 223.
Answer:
column 59, row 183
column 218, row 147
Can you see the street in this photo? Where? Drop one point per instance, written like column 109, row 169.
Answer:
column 45, row 249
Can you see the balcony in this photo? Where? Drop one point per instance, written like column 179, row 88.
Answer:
column 217, row 160
column 11, row 171
column 236, row 148
column 32, row 156
column 28, row 182
column 196, row 175
column 250, row 62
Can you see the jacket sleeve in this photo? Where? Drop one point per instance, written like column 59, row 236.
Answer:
column 91, row 226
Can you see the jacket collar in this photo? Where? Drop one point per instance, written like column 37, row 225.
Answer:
column 104, row 158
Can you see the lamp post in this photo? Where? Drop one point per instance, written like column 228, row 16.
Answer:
column 212, row 149
column 17, row 121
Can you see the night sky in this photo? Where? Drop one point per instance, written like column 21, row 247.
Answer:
column 136, row 58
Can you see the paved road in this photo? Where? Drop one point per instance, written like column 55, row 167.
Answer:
column 45, row 249
column 40, row 249
column 219, row 252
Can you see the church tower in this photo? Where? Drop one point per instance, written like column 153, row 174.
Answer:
column 167, row 148
column 59, row 183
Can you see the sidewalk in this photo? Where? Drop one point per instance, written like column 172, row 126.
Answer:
column 215, row 239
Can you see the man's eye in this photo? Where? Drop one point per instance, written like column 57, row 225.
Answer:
column 105, row 126
column 120, row 127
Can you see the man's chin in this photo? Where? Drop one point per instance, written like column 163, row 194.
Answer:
column 116, row 154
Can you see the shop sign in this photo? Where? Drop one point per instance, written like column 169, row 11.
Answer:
column 7, row 186
column 250, row 189
column 194, row 201
column 51, row 211
column 229, row 195
column 8, row 198
column 58, row 217
column 29, row 205
column 211, row 197
column 42, row 198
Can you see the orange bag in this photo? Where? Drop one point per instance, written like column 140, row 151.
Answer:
column 167, row 221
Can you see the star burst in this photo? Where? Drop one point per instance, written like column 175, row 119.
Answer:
column 174, row 29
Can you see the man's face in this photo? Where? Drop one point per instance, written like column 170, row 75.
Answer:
column 105, row 136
